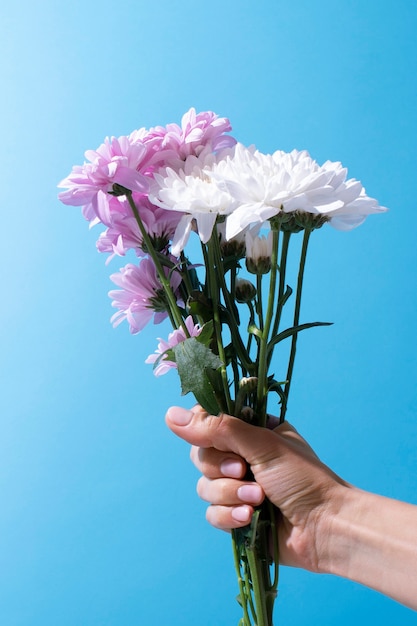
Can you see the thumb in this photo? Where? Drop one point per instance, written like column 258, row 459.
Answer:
column 223, row 432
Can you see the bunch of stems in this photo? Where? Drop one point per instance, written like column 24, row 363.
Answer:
column 244, row 382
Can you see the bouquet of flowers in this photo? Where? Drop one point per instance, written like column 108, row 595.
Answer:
column 151, row 190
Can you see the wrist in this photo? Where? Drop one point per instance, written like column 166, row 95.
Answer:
column 334, row 537
column 371, row 540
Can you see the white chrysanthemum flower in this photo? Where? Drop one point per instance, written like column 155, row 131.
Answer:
column 193, row 191
column 264, row 185
column 250, row 187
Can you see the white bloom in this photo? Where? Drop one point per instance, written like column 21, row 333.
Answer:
column 250, row 187
column 264, row 185
column 193, row 191
column 355, row 204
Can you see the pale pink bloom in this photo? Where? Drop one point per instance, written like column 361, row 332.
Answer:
column 106, row 209
column 124, row 233
column 168, row 146
column 174, row 338
column 141, row 296
column 197, row 131
column 131, row 162
column 117, row 160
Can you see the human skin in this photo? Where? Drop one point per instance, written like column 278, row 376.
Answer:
column 326, row 525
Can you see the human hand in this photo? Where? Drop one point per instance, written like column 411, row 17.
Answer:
column 286, row 470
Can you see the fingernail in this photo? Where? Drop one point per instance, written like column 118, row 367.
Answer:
column 232, row 468
column 179, row 416
column 250, row 493
column 241, row 513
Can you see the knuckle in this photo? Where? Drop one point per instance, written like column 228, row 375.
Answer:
column 201, row 487
column 210, row 516
column 222, row 489
column 219, row 427
column 213, row 517
column 194, row 455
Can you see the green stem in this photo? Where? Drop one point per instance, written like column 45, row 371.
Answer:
column 233, row 281
column 282, row 272
column 262, row 391
column 207, row 286
column 230, row 304
column 236, row 376
column 258, row 584
column 259, row 304
column 251, row 321
column 184, row 273
column 228, row 300
column 248, row 589
column 241, row 583
column 297, row 306
column 239, row 346
column 176, row 314
column 214, row 271
column 275, row 546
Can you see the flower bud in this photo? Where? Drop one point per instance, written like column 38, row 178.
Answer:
column 300, row 220
column 258, row 253
column 247, row 414
column 245, row 291
column 311, row 221
column 290, row 225
column 234, row 247
column 249, row 383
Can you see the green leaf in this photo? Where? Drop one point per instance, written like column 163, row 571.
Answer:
column 198, row 305
column 193, row 358
column 285, row 296
column 277, row 387
column 206, row 334
column 293, row 331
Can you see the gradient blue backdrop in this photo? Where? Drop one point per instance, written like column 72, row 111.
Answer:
column 99, row 521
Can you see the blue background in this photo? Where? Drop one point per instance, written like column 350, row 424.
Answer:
column 99, row 521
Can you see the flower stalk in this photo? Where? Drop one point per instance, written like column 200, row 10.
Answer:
column 216, row 270
column 262, row 394
column 174, row 311
column 297, row 308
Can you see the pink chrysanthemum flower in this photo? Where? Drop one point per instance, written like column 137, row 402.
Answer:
column 197, row 131
column 168, row 146
column 117, row 160
column 124, row 233
column 174, row 338
column 141, row 296
column 131, row 162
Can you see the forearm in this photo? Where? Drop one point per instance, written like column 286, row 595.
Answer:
column 373, row 540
